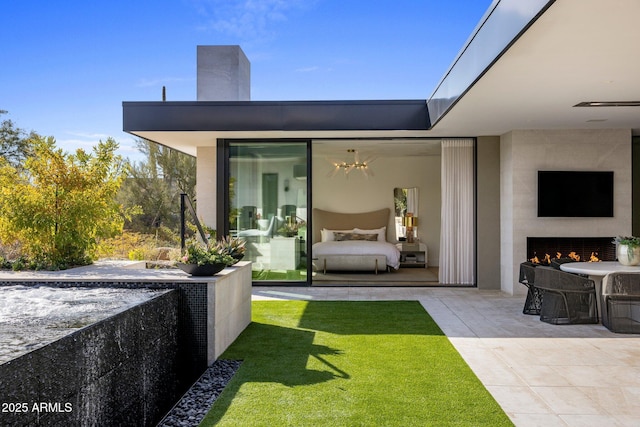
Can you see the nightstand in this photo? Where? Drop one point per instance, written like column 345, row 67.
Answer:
column 413, row 255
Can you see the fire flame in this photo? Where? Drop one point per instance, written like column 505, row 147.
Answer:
column 545, row 260
column 574, row 256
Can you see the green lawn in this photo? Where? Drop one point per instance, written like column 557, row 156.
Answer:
column 348, row 363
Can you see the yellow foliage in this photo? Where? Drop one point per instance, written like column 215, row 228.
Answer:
column 58, row 204
column 133, row 246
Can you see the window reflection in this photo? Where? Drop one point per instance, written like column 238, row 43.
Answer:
column 405, row 201
column 268, row 207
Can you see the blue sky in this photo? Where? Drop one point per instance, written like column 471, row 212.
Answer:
column 69, row 64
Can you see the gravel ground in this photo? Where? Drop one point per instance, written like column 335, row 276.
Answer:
column 197, row 401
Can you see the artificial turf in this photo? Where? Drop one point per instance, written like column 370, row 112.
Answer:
column 349, row 363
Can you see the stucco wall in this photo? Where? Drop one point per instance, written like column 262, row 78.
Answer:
column 359, row 194
column 206, row 178
column 525, row 152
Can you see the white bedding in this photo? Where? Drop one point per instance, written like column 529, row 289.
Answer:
column 359, row 247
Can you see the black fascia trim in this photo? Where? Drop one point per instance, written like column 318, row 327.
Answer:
column 275, row 115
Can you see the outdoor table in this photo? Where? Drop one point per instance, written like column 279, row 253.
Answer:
column 596, row 272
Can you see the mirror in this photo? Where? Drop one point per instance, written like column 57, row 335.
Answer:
column 405, row 201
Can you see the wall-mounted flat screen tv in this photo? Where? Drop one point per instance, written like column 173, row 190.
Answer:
column 575, row 194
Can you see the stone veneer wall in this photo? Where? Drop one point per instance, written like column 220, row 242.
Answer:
column 522, row 154
column 123, row 370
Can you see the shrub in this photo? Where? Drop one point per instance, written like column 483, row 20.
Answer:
column 136, row 246
column 57, row 205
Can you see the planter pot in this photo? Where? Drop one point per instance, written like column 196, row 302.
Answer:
column 238, row 258
column 201, row 270
column 628, row 256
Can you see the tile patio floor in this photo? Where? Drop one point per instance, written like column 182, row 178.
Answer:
column 541, row 374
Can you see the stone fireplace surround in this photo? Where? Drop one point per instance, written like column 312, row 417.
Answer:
column 522, row 154
column 603, row 247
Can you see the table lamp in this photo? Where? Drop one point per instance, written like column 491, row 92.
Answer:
column 410, row 221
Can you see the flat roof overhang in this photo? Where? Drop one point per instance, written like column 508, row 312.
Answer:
column 160, row 121
column 275, row 115
column 563, row 53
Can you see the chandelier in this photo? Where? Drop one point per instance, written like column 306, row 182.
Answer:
column 356, row 164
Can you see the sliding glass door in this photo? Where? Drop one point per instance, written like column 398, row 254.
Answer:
column 267, row 206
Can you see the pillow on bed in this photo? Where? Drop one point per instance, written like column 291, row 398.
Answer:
column 342, row 237
column 328, row 235
column 380, row 232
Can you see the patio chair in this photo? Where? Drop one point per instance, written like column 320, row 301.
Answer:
column 621, row 302
column 534, row 295
column 567, row 298
column 557, row 262
column 247, row 218
column 254, row 232
column 288, row 210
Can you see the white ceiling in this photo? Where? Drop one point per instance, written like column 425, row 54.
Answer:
column 579, row 50
column 387, row 143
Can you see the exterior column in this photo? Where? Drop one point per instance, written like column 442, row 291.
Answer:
column 206, row 178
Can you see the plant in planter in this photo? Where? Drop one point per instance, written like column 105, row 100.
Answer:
column 291, row 227
column 233, row 246
column 201, row 259
column 628, row 249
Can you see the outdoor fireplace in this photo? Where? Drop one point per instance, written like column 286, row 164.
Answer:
column 582, row 247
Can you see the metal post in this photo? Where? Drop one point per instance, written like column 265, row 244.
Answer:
column 183, row 228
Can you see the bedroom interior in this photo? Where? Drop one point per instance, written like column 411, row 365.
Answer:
column 408, row 164
column 277, row 189
column 438, row 175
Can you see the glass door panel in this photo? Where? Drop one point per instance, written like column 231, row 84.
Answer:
column 268, row 207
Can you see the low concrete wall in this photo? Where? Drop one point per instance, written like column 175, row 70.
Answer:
column 229, row 307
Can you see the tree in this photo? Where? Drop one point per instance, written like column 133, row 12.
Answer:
column 155, row 184
column 14, row 142
column 58, row 204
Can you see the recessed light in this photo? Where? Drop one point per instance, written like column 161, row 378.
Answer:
column 596, row 120
column 608, row 104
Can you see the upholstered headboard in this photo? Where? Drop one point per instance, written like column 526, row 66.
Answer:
column 345, row 221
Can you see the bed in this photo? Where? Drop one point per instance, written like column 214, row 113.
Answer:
column 353, row 241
